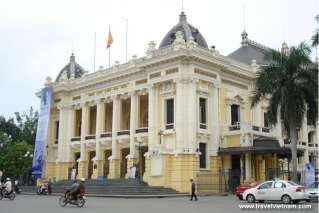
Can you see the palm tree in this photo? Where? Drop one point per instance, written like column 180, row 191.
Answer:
column 314, row 39
column 291, row 82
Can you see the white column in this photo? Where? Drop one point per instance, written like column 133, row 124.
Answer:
column 70, row 130
column 214, row 121
column 248, row 166
column 191, row 112
column 151, row 117
column 115, row 124
column 84, row 129
column 100, row 115
column 62, row 132
column 180, row 116
column 133, row 114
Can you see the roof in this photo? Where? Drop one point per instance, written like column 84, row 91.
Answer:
column 190, row 33
column 71, row 70
column 249, row 51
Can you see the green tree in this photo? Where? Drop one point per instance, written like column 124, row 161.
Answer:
column 291, row 81
column 27, row 123
column 16, row 159
column 9, row 127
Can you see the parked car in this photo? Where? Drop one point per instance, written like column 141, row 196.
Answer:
column 312, row 191
column 241, row 188
column 278, row 190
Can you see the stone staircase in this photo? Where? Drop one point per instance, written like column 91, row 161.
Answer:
column 116, row 187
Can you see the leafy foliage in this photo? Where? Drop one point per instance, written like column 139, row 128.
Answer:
column 17, row 137
column 290, row 82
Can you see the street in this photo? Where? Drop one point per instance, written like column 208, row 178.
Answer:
column 49, row 204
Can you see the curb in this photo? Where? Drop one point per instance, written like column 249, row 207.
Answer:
column 136, row 196
column 117, row 196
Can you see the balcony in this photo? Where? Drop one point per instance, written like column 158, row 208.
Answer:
column 300, row 144
column 141, row 130
column 76, row 139
column 123, row 132
column 169, row 126
column 242, row 128
column 90, row 137
column 106, row 135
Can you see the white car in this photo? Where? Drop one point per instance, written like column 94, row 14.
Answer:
column 312, row 191
column 286, row 191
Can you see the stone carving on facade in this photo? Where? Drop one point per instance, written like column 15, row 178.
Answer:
column 179, row 42
column 150, row 48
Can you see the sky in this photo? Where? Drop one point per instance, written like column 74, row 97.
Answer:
column 38, row 36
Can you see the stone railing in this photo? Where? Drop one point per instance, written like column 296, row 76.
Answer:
column 89, row 137
column 141, row 130
column 106, row 135
column 123, row 132
column 74, row 139
column 246, row 128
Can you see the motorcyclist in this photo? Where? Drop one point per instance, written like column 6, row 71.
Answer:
column 73, row 190
column 16, row 186
column 8, row 186
column 82, row 186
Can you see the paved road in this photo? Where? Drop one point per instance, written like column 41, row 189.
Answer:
column 48, row 204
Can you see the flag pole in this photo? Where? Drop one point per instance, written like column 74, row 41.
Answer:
column 126, row 43
column 109, row 57
column 94, row 53
column 109, row 48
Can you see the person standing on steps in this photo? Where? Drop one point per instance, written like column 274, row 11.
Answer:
column 193, row 195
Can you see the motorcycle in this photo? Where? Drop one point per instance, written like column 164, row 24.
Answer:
column 17, row 190
column 3, row 194
column 67, row 199
column 43, row 189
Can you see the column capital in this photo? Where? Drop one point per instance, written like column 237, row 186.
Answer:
column 114, row 97
column 63, row 107
column 151, row 86
column 132, row 93
column 217, row 84
column 143, row 91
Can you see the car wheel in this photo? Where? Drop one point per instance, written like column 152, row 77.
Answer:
column 240, row 197
column 250, row 198
column 286, row 199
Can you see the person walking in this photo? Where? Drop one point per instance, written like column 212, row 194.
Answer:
column 193, row 195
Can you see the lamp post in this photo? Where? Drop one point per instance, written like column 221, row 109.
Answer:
column 27, row 155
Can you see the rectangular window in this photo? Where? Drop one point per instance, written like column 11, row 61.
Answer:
column 234, row 114
column 266, row 121
column 202, row 158
column 202, row 115
column 78, row 120
column 169, row 120
column 56, row 139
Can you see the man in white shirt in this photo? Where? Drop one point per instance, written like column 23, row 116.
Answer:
column 8, row 186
